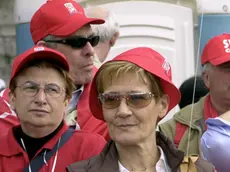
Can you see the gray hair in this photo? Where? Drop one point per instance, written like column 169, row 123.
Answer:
column 107, row 30
column 207, row 66
column 52, row 45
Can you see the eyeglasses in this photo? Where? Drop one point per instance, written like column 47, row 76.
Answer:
column 31, row 89
column 78, row 41
column 136, row 100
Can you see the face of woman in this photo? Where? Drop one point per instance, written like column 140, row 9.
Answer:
column 45, row 107
column 134, row 120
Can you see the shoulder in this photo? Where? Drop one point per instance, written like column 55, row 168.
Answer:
column 9, row 145
column 168, row 127
column 4, row 94
column 197, row 108
column 105, row 161
column 183, row 116
column 4, row 140
column 93, row 163
column 88, row 137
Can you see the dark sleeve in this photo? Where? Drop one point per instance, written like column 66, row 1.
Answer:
column 78, row 166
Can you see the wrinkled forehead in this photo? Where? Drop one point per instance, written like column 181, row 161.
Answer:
column 43, row 71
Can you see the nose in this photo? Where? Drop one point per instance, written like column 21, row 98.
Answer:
column 40, row 97
column 123, row 109
column 88, row 50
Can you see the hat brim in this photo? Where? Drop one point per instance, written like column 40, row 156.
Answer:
column 166, row 84
column 75, row 24
column 50, row 55
column 220, row 60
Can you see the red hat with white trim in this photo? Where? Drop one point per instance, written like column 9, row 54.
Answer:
column 38, row 53
column 152, row 62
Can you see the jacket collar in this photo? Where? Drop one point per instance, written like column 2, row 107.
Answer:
column 173, row 156
column 197, row 110
column 9, row 145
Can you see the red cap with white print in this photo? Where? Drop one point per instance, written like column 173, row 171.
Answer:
column 59, row 18
column 152, row 62
column 38, row 52
column 217, row 50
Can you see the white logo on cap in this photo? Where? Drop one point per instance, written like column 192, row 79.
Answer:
column 226, row 43
column 69, row 6
column 39, row 49
column 166, row 66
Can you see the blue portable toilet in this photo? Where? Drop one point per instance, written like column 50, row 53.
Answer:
column 24, row 10
column 214, row 19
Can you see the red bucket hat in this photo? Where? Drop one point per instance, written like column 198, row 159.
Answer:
column 217, row 50
column 59, row 18
column 152, row 62
column 38, row 52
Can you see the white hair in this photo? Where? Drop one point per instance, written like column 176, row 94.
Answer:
column 106, row 30
column 207, row 66
column 50, row 44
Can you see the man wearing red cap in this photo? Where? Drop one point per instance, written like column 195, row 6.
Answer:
column 216, row 75
column 62, row 25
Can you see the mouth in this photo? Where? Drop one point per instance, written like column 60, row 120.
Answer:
column 38, row 111
column 126, row 125
column 88, row 66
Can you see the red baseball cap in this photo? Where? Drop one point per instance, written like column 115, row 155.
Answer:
column 217, row 50
column 59, row 18
column 38, row 52
column 152, row 62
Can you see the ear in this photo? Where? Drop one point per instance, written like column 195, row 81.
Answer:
column 114, row 38
column 41, row 43
column 206, row 79
column 12, row 99
column 66, row 103
column 163, row 103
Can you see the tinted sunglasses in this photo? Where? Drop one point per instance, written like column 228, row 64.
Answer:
column 78, row 41
column 136, row 100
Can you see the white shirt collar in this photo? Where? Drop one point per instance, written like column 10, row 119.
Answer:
column 161, row 166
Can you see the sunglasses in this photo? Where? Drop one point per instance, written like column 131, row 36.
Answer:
column 78, row 41
column 136, row 100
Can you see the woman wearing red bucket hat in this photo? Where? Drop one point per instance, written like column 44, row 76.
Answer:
column 132, row 93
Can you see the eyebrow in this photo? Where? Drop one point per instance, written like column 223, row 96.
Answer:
column 30, row 82
column 50, row 83
column 128, row 92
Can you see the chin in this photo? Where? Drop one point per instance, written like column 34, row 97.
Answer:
column 39, row 122
column 83, row 80
column 126, row 140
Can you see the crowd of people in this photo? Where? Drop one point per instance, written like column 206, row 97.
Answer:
column 67, row 109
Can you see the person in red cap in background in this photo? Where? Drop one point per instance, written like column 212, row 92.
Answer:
column 132, row 93
column 216, row 75
column 62, row 25
column 40, row 89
